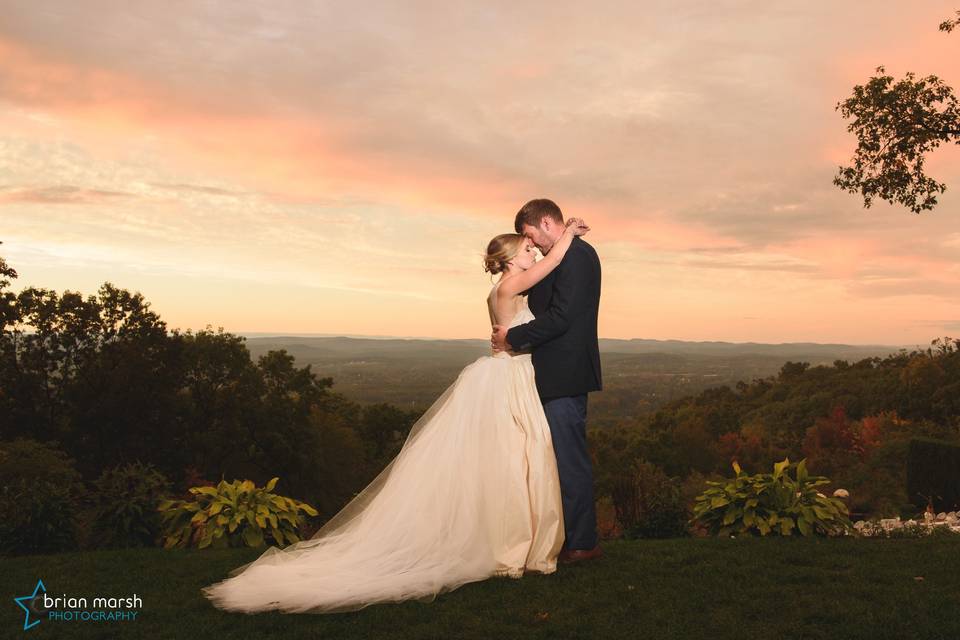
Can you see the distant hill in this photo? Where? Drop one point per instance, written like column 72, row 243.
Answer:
column 354, row 348
column 806, row 350
column 339, row 346
column 639, row 375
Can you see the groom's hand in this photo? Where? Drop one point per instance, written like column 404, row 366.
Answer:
column 498, row 339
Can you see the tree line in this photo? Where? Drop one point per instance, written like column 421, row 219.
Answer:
column 103, row 379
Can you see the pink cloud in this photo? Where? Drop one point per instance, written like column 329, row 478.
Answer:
column 294, row 157
column 59, row 194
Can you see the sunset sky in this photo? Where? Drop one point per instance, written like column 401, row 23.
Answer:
column 338, row 167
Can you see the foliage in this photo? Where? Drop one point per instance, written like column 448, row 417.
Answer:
column 933, row 473
column 308, row 434
column 851, row 421
column 649, row 504
column 93, row 373
column 950, row 25
column 39, row 491
column 774, row 503
column 233, row 514
column 833, row 443
column 8, row 299
column 36, row 518
column 125, row 500
column 896, row 124
column 101, row 375
column 751, row 446
column 877, row 485
column 384, row 428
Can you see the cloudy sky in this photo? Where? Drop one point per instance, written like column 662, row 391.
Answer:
column 338, row 167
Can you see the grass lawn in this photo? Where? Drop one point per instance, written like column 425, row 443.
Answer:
column 658, row 589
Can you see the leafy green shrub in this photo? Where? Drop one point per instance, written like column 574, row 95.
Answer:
column 233, row 514
column 878, row 485
column 771, row 503
column 36, row 518
column 125, row 506
column 649, row 504
column 933, row 470
column 39, row 494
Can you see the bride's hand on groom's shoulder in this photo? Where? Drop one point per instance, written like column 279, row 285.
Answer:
column 577, row 226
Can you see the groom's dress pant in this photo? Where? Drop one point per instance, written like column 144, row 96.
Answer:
column 567, row 417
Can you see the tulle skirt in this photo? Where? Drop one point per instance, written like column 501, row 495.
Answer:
column 473, row 493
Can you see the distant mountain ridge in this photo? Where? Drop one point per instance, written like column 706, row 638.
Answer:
column 324, row 345
column 642, row 345
column 638, row 375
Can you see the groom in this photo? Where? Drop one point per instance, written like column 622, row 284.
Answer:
column 566, row 360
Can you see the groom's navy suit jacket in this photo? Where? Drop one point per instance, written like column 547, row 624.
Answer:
column 563, row 336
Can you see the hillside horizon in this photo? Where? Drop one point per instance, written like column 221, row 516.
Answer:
column 609, row 342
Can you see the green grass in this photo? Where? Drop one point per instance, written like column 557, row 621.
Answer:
column 686, row 588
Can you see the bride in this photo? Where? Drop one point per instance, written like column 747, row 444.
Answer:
column 473, row 492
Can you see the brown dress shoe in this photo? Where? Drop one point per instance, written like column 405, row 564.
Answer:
column 576, row 555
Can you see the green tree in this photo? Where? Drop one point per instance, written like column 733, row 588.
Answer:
column 102, row 376
column 8, row 299
column 384, row 428
column 118, row 379
column 897, row 123
column 8, row 349
column 218, row 393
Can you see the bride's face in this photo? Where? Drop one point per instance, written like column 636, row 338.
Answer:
column 526, row 256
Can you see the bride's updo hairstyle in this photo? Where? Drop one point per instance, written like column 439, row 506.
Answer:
column 500, row 251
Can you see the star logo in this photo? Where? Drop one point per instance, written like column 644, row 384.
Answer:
column 26, row 603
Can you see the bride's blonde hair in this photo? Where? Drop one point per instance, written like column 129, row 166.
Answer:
column 500, row 251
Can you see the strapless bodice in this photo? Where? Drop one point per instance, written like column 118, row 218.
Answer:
column 523, row 316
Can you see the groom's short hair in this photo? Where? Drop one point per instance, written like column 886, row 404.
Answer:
column 535, row 211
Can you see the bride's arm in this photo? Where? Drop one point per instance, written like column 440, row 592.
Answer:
column 523, row 281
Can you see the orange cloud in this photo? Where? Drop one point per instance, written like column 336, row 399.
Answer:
column 62, row 194
column 295, row 157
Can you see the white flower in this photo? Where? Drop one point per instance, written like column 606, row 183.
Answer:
column 841, row 493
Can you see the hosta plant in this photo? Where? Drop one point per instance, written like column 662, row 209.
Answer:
column 233, row 514
column 771, row 504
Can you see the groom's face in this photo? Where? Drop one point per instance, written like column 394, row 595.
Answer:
column 542, row 236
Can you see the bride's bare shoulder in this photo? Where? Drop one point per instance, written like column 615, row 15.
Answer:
column 504, row 292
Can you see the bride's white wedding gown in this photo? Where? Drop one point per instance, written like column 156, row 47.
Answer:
column 473, row 493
